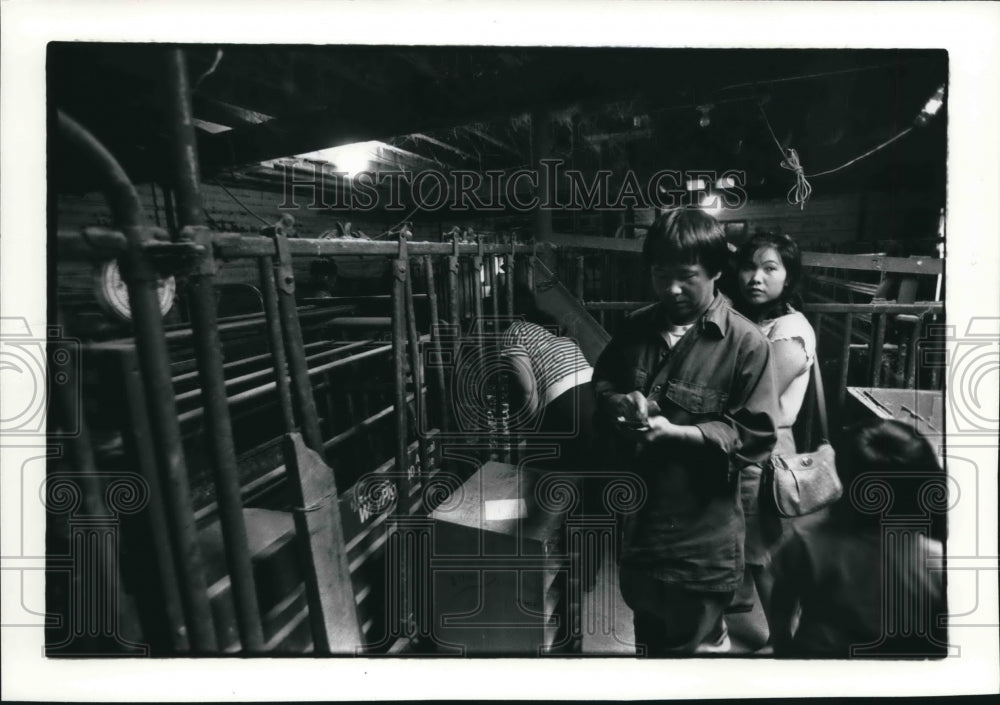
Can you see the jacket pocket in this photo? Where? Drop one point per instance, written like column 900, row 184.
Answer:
column 639, row 377
column 696, row 398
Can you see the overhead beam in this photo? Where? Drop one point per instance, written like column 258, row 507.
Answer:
column 443, row 145
column 486, row 137
column 544, row 84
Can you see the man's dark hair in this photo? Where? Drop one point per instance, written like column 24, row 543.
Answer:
column 686, row 236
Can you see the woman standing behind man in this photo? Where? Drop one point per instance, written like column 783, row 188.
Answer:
column 769, row 275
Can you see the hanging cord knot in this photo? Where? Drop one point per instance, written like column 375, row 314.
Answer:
column 800, row 192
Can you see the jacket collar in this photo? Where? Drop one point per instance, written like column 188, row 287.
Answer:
column 714, row 319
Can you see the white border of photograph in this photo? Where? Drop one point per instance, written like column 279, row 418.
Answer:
column 969, row 31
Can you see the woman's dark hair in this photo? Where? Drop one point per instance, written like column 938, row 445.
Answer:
column 895, row 454
column 791, row 258
column 686, row 236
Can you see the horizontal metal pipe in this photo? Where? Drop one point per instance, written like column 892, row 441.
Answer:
column 184, row 377
column 360, row 299
column 269, row 372
column 362, row 425
column 360, row 322
column 930, row 307
column 258, row 320
column 263, row 389
column 237, row 245
column 888, row 307
column 234, row 246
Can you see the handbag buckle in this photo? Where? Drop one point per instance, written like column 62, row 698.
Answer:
column 807, row 461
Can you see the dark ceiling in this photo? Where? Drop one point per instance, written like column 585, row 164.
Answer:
column 470, row 107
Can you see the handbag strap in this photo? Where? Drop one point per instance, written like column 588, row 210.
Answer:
column 817, row 380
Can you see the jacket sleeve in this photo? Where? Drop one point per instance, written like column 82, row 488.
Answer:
column 610, row 377
column 747, row 431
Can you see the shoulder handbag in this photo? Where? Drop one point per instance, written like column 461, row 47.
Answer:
column 804, row 483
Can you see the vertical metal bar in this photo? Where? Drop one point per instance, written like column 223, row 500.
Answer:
column 399, row 360
column 416, row 368
column 541, row 147
column 579, row 277
column 208, row 347
column 265, row 268
column 878, row 340
column 294, row 346
column 398, row 567
column 531, row 269
column 436, row 338
column 453, row 294
column 494, row 294
column 142, row 281
column 509, row 279
column 139, row 436
column 912, row 354
column 168, row 210
column 477, row 299
column 845, row 361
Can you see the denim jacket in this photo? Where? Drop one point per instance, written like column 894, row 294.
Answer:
column 690, row 528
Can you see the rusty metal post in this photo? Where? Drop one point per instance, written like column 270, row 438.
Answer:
column 913, row 355
column 398, row 604
column 508, row 266
column 877, row 342
column 298, row 367
column 138, row 440
column 208, row 347
column 270, row 295
column 494, row 294
column 416, row 368
column 477, row 299
column 436, row 337
column 453, row 292
column 845, row 361
column 532, row 258
column 541, row 148
column 141, row 280
column 399, row 336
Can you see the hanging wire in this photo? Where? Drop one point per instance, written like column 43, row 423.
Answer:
column 211, row 69
column 404, row 221
column 798, row 194
column 241, row 203
column 866, row 154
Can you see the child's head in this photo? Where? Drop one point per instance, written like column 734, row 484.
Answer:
column 685, row 250
column 770, row 271
column 893, row 453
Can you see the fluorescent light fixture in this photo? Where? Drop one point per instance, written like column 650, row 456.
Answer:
column 349, row 158
column 935, row 102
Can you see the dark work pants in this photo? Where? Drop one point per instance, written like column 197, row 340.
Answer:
column 669, row 619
